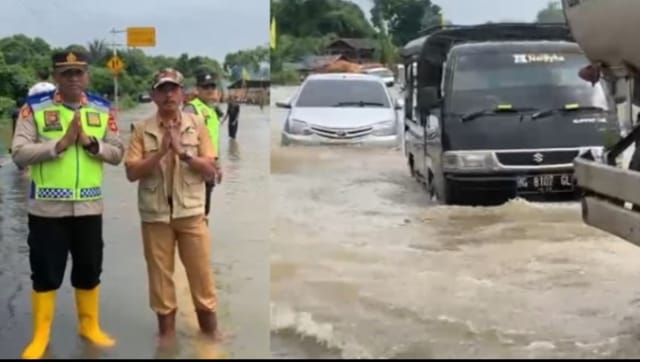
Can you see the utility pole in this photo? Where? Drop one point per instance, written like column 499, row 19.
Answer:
column 114, row 32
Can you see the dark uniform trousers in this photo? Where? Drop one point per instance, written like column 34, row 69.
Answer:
column 51, row 239
column 233, row 125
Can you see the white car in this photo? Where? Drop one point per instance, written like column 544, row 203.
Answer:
column 341, row 108
column 384, row 73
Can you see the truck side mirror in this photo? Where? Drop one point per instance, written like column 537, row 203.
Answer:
column 428, row 98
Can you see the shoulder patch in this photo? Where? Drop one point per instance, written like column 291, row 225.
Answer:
column 98, row 101
column 40, row 97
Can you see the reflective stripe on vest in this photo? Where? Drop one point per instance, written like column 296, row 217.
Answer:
column 74, row 175
column 211, row 120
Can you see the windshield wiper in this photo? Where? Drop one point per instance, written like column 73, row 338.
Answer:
column 359, row 103
column 566, row 109
column 502, row 109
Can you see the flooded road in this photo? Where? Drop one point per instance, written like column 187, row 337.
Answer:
column 363, row 265
column 239, row 226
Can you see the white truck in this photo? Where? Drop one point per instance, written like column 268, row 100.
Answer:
column 608, row 33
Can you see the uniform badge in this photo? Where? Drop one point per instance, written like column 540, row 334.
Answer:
column 52, row 118
column 205, row 113
column 93, row 119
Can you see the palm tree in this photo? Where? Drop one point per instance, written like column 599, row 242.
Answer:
column 98, row 50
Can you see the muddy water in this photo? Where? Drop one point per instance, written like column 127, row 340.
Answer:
column 238, row 223
column 363, row 265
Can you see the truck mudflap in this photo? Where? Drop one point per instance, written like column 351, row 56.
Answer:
column 610, row 194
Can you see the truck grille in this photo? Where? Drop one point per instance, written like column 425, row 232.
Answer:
column 537, row 158
column 341, row 133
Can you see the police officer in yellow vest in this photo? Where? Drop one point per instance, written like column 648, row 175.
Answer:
column 205, row 106
column 66, row 135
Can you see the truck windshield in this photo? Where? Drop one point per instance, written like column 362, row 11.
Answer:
column 532, row 81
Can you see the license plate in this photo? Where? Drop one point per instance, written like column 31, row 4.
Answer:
column 546, row 183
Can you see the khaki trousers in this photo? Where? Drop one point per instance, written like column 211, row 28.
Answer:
column 191, row 237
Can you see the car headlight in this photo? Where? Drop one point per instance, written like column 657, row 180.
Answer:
column 295, row 126
column 385, row 128
column 468, row 160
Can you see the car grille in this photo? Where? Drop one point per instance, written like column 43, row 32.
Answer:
column 537, row 158
column 341, row 133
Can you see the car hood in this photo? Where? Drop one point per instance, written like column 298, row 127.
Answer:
column 343, row 117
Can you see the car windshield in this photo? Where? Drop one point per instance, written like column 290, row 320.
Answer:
column 343, row 93
column 536, row 81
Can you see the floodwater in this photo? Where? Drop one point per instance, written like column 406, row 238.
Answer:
column 238, row 222
column 363, row 265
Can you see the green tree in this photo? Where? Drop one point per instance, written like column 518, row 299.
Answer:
column 553, row 13
column 249, row 58
column 405, row 18
column 21, row 57
column 316, row 18
column 98, row 51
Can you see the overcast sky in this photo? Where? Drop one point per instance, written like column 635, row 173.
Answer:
column 466, row 12
column 198, row 27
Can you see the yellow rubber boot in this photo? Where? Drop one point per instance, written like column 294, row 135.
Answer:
column 43, row 309
column 87, row 303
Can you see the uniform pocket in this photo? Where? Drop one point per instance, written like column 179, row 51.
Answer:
column 190, row 143
column 193, row 188
column 148, row 194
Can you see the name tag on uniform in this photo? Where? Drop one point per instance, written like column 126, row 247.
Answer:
column 53, row 123
column 93, row 119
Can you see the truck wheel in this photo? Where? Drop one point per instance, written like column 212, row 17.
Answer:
column 446, row 195
column 438, row 190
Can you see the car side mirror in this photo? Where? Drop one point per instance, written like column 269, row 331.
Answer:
column 284, row 105
column 399, row 104
column 428, row 99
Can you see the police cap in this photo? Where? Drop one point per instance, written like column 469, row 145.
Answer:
column 205, row 78
column 65, row 60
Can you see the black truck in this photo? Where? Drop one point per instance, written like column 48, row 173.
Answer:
column 496, row 111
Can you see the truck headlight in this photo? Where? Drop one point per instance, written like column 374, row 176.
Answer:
column 468, row 160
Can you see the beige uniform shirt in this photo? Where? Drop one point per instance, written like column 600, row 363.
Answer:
column 172, row 178
column 29, row 148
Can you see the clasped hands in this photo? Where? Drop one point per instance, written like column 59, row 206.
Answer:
column 74, row 133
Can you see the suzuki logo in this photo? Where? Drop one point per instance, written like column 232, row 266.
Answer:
column 538, row 158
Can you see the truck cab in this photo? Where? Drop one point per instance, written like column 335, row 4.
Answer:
column 497, row 111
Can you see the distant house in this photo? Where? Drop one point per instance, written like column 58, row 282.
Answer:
column 358, row 50
column 311, row 63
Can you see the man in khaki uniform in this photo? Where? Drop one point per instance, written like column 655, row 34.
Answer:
column 171, row 154
column 66, row 135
